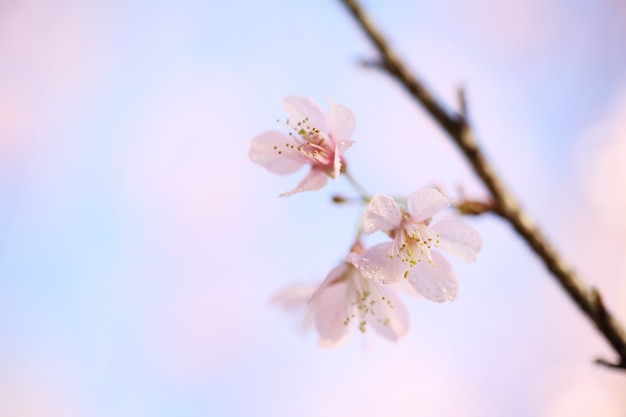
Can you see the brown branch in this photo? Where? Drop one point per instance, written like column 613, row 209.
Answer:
column 459, row 130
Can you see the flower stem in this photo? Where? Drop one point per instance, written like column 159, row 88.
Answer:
column 355, row 184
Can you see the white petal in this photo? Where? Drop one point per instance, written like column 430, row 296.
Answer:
column 300, row 108
column 458, row 238
column 375, row 264
column 437, row 283
column 265, row 148
column 382, row 214
column 425, row 203
column 342, row 121
column 390, row 317
column 314, row 180
column 331, row 307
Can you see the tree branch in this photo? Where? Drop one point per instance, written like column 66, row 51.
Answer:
column 458, row 129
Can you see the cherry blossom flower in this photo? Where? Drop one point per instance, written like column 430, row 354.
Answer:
column 316, row 139
column 413, row 254
column 346, row 297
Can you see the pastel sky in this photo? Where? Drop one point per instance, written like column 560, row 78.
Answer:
column 139, row 246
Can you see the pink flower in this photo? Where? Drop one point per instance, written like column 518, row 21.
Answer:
column 316, row 139
column 413, row 254
column 345, row 297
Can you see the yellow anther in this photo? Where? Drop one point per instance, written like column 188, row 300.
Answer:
column 362, row 326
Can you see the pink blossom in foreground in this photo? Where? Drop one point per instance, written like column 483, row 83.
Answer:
column 413, row 254
column 316, row 139
column 345, row 297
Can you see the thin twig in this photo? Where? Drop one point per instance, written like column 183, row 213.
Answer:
column 462, row 103
column 474, row 207
column 459, row 130
column 366, row 196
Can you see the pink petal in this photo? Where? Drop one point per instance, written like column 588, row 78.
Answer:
column 342, row 121
column 353, row 258
column 300, row 108
column 458, row 238
column 437, row 283
column 315, row 180
column 382, row 214
column 391, row 318
column 264, row 150
column 340, row 148
column 293, row 297
column 376, row 264
column 331, row 307
column 425, row 203
column 404, row 286
column 336, row 274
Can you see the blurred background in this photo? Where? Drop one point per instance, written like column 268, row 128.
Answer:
column 139, row 247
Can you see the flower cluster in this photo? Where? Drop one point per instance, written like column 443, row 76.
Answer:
column 363, row 289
